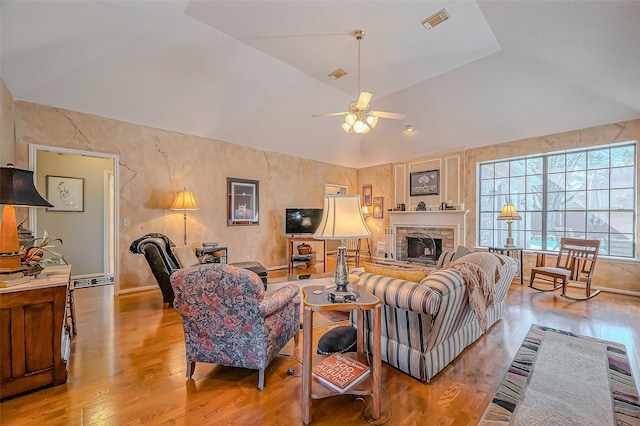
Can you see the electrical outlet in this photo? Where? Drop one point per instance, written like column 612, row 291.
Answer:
column 127, row 222
column 246, row 258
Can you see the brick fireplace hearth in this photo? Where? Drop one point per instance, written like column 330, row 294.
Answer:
column 447, row 226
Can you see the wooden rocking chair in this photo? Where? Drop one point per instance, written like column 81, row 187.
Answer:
column 576, row 262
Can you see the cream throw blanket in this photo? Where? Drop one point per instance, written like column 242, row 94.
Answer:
column 481, row 272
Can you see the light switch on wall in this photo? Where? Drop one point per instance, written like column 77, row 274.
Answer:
column 127, row 222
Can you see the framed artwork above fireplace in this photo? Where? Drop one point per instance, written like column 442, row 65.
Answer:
column 424, row 183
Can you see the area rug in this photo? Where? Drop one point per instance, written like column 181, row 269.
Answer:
column 559, row 378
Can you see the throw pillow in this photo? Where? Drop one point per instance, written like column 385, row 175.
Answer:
column 185, row 256
column 408, row 274
column 461, row 251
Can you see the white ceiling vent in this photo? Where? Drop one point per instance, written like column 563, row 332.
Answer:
column 435, row 19
column 337, row 74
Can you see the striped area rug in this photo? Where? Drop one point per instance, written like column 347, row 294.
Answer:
column 614, row 395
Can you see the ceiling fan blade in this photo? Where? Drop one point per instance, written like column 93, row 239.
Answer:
column 364, row 99
column 331, row 114
column 392, row 115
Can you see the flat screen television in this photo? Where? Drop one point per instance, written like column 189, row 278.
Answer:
column 302, row 221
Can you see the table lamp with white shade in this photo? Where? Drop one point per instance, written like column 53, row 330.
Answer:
column 342, row 220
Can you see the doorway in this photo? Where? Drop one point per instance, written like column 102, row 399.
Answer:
column 89, row 232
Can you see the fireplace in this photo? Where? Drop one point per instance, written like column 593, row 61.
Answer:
column 449, row 226
column 420, row 248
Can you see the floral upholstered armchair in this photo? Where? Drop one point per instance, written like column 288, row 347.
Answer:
column 229, row 319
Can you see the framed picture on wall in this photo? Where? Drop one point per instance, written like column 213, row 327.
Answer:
column 367, row 192
column 424, row 183
column 378, row 207
column 65, row 193
column 243, row 201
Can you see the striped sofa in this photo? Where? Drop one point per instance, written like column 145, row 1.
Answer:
column 426, row 325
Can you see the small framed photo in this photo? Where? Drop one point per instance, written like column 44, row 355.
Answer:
column 378, row 207
column 65, row 193
column 424, row 183
column 367, row 193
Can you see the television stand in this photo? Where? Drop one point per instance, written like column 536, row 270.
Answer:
column 293, row 241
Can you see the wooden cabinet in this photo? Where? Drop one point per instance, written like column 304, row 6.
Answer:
column 31, row 329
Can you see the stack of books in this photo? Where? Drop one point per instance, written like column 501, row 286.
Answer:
column 14, row 278
column 339, row 372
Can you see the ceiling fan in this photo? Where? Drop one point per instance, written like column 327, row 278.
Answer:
column 359, row 119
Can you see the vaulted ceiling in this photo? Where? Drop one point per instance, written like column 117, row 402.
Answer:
column 254, row 72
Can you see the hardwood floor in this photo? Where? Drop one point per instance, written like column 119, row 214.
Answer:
column 127, row 367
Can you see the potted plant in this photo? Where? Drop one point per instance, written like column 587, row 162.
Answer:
column 32, row 252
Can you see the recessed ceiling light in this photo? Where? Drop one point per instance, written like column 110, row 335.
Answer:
column 435, row 19
column 339, row 73
column 409, row 128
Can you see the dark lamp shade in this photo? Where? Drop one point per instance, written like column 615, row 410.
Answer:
column 17, row 188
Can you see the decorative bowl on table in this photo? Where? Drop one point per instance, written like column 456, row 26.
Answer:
column 33, row 269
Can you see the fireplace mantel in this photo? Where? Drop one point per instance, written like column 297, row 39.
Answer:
column 450, row 219
column 428, row 213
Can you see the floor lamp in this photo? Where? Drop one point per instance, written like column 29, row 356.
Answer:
column 184, row 201
column 342, row 220
column 16, row 189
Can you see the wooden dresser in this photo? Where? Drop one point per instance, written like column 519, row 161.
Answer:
column 32, row 319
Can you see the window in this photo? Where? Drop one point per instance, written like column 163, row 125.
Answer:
column 585, row 193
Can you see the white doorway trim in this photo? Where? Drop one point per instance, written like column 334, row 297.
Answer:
column 34, row 148
column 110, row 223
column 334, row 188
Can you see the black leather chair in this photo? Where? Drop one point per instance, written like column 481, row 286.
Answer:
column 157, row 250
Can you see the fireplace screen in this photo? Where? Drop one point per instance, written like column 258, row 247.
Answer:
column 420, row 248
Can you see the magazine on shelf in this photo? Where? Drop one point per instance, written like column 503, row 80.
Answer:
column 339, row 372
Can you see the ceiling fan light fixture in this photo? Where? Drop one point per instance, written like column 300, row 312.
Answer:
column 361, row 127
column 358, row 118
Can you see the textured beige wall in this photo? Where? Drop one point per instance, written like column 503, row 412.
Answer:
column 622, row 275
column 381, row 180
column 155, row 163
column 7, row 113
